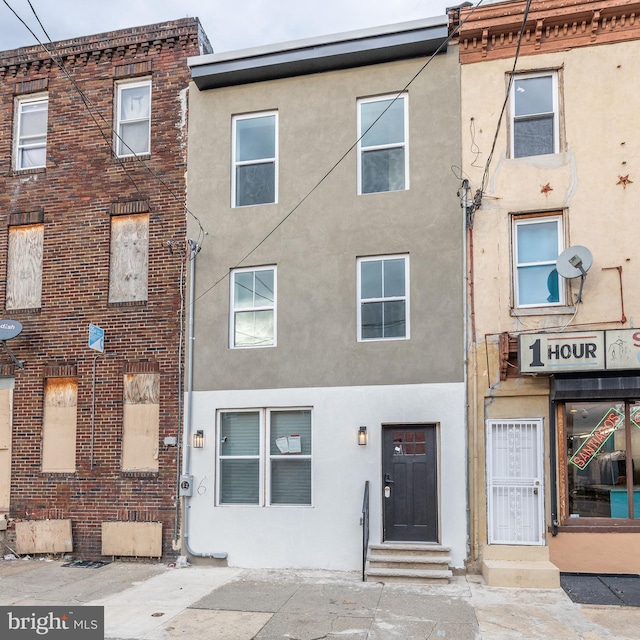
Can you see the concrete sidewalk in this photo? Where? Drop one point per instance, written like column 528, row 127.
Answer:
column 145, row 601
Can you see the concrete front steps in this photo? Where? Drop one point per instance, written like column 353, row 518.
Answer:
column 408, row 563
column 519, row 566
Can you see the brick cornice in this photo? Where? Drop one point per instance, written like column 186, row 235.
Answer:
column 491, row 32
column 118, row 45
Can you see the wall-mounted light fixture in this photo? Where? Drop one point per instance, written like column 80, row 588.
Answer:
column 198, row 439
column 362, row 435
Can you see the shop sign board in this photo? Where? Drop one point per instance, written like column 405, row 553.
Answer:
column 549, row 353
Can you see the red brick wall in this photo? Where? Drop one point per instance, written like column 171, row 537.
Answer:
column 78, row 191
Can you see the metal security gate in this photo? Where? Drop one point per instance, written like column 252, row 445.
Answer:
column 515, row 498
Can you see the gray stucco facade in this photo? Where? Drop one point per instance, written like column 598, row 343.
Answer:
column 316, row 247
column 313, row 237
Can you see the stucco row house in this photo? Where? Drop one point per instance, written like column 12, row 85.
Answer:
column 389, row 325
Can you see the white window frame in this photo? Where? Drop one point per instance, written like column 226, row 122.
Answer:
column 266, row 160
column 273, row 307
column 405, row 298
column 118, row 137
column 264, row 457
column 521, row 221
column 21, row 142
column 556, row 110
column 362, row 149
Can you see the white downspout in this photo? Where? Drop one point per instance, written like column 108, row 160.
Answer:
column 194, row 249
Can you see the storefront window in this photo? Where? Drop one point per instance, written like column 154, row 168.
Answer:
column 603, row 459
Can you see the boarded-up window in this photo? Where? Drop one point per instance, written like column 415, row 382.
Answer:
column 129, row 258
column 59, row 428
column 141, row 422
column 24, row 267
column 6, row 396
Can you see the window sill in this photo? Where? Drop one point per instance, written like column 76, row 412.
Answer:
column 23, row 172
column 136, row 158
column 128, row 303
column 150, row 475
column 600, row 525
column 543, row 311
column 22, row 312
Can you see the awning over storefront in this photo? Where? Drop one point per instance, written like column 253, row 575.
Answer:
column 580, row 388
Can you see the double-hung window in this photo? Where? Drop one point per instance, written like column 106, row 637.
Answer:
column 535, row 118
column 31, row 132
column 264, row 457
column 255, row 159
column 537, row 242
column 383, row 153
column 133, row 118
column 253, row 307
column 383, row 298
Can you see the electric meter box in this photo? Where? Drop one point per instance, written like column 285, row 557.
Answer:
column 186, row 486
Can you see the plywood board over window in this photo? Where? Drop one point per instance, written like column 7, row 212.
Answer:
column 24, row 266
column 128, row 274
column 59, row 425
column 141, row 426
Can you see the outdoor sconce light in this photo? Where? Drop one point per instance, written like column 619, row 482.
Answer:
column 362, row 435
column 198, row 439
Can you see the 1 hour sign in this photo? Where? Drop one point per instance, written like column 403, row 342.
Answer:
column 582, row 351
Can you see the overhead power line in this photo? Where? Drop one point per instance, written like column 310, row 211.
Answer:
column 445, row 42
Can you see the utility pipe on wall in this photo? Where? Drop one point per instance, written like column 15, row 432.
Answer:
column 194, row 249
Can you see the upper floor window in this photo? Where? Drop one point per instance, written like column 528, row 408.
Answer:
column 255, row 159
column 253, row 307
column 24, row 266
column 536, row 246
column 535, row 119
column 31, row 132
column 383, row 158
column 383, row 299
column 129, row 259
column 133, row 118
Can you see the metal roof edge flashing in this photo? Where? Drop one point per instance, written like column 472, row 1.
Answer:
column 314, row 55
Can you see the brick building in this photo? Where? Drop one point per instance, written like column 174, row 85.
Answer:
column 92, row 229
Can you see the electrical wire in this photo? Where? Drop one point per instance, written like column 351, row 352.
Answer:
column 444, row 43
column 57, row 58
column 485, row 177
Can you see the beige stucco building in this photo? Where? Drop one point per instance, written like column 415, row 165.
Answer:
column 551, row 155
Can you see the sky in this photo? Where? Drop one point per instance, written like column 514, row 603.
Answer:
column 229, row 24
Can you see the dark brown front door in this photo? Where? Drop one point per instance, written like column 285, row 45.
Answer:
column 409, row 472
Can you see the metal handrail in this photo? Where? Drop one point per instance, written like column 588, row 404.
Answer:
column 364, row 521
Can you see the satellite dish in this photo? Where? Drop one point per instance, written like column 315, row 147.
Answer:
column 574, row 262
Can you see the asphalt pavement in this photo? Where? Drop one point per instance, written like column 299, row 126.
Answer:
column 152, row 601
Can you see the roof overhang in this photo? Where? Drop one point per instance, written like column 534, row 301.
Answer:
column 328, row 53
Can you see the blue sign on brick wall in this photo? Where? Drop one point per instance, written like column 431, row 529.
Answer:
column 96, row 338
